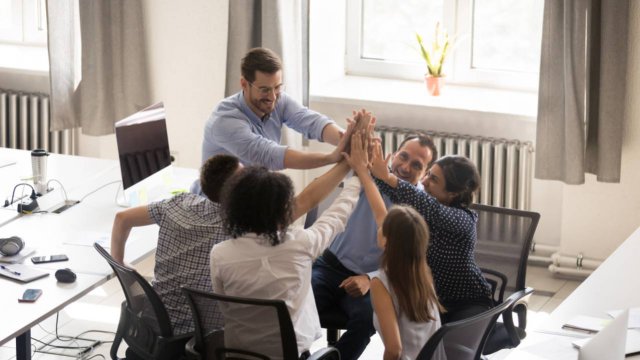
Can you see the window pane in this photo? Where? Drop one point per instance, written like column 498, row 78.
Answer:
column 507, row 35
column 389, row 27
column 6, row 12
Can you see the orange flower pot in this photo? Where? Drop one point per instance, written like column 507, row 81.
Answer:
column 434, row 84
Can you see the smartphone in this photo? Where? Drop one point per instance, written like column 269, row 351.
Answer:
column 48, row 258
column 30, row 295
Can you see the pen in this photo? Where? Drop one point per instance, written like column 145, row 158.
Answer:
column 9, row 270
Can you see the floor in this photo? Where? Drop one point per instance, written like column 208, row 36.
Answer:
column 96, row 315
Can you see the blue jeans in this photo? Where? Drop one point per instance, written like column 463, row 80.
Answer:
column 326, row 280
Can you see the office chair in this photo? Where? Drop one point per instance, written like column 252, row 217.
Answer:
column 210, row 342
column 144, row 322
column 504, row 239
column 463, row 339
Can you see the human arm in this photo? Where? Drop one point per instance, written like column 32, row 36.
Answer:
column 389, row 330
column 122, row 225
column 358, row 160
column 333, row 220
column 319, row 189
column 332, row 134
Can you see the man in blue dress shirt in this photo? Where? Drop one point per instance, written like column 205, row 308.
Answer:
column 248, row 124
column 341, row 275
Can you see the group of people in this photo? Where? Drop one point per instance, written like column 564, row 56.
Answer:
column 401, row 270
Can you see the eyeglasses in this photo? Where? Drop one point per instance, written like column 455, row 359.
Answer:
column 266, row 90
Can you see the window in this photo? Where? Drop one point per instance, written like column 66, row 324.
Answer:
column 496, row 43
column 23, row 22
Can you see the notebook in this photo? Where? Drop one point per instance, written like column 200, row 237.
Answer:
column 608, row 343
column 17, row 258
column 21, row 273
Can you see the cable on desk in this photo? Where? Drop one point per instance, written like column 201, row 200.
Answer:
column 62, row 186
column 103, row 186
column 13, row 194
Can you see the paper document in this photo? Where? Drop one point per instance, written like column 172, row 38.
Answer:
column 585, row 323
column 17, row 258
column 87, row 238
column 22, row 273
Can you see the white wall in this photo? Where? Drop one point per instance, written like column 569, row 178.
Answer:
column 187, row 44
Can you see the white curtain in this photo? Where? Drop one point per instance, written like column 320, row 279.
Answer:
column 582, row 90
column 98, row 63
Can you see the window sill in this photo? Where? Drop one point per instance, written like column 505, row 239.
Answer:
column 351, row 89
column 26, row 60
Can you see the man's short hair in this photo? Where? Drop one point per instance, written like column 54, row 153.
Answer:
column 259, row 59
column 215, row 172
column 424, row 141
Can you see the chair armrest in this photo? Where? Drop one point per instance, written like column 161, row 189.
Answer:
column 325, row 353
column 190, row 350
column 519, row 306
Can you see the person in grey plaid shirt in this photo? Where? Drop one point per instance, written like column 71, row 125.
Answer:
column 189, row 227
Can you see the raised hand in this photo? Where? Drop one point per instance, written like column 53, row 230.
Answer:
column 359, row 159
column 379, row 166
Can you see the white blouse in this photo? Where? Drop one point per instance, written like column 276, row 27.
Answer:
column 249, row 266
column 413, row 335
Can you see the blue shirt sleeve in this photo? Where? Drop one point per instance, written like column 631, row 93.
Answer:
column 302, row 119
column 234, row 134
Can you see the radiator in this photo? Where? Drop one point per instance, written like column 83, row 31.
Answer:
column 505, row 166
column 24, row 124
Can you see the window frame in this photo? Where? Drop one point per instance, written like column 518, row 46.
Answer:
column 458, row 19
column 29, row 28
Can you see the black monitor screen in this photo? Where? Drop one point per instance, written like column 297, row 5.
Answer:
column 143, row 149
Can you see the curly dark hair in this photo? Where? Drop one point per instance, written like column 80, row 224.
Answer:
column 259, row 201
column 461, row 177
column 215, row 172
column 259, row 59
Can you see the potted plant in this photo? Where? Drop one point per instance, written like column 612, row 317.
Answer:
column 435, row 56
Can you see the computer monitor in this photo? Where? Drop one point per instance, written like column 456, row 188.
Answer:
column 143, row 145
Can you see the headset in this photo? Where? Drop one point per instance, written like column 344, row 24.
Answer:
column 11, row 246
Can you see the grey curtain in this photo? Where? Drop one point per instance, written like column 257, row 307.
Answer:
column 582, row 90
column 280, row 25
column 98, row 63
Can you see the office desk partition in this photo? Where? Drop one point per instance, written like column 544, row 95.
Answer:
column 612, row 286
column 72, row 232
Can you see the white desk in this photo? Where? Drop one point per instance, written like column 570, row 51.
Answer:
column 71, row 232
column 614, row 285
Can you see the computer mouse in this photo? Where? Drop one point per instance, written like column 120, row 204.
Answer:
column 65, row 276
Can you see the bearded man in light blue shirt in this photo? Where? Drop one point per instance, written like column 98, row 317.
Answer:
column 341, row 275
column 248, row 124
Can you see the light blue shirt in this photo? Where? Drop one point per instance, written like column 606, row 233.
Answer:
column 233, row 128
column 357, row 247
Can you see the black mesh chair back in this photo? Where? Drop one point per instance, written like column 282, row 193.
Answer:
column 502, row 251
column 253, row 328
column 463, row 339
column 504, row 240
column 144, row 322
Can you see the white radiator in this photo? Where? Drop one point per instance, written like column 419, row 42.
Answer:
column 505, row 166
column 24, row 124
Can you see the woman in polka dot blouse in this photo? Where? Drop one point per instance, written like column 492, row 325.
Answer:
column 449, row 186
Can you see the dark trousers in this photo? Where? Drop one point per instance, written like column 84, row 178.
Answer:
column 326, row 278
